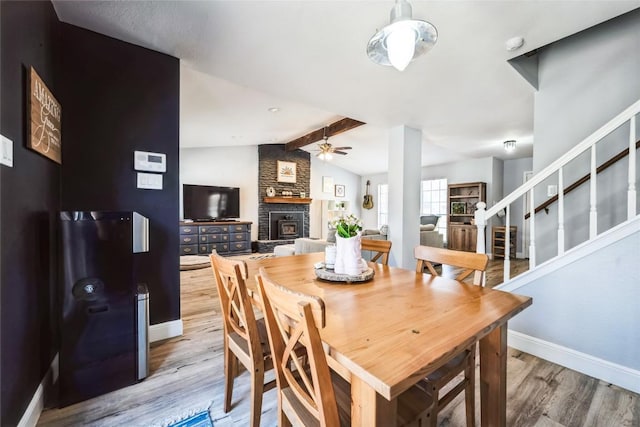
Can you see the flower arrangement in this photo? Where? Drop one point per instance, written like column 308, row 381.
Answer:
column 347, row 226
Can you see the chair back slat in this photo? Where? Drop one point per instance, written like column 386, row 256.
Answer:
column 237, row 310
column 293, row 320
column 382, row 247
column 470, row 262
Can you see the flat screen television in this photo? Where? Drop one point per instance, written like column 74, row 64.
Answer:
column 207, row 203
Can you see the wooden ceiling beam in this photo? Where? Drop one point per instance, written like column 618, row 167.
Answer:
column 333, row 129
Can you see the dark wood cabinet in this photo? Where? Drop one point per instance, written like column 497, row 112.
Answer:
column 461, row 207
column 463, row 237
column 498, row 241
column 226, row 238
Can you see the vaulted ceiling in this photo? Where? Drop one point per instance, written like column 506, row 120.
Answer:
column 308, row 59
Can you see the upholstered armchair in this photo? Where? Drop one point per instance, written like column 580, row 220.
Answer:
column 429, row 234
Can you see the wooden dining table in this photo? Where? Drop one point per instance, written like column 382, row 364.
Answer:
column 386, row 334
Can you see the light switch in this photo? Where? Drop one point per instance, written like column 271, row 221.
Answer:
column 552, row 190
column 6, row 151
column 149, row 181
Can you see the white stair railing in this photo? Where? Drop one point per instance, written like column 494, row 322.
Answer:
column 482, row 215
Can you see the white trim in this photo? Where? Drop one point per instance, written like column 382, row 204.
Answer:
column 33, row 411
column 590, row 246
column 601, row 369
column 162, row 331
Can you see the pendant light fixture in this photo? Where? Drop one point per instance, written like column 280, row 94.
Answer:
column 509, row 146
column 403, row 40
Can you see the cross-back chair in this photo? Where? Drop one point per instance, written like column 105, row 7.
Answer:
column 245, row 338
column 470, row 262
column 381, row 247
column 309, row 393
column 465, row 361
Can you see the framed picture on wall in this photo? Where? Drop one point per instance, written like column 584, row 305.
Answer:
column 339, row 190
column 286, row 172
column 327, row 184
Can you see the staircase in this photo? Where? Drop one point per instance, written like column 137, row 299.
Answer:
column 585, row 312
column 483, row 215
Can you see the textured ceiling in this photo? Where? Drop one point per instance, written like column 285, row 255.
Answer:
column 308, row 58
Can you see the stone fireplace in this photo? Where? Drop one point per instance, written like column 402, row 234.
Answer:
column 288, row 218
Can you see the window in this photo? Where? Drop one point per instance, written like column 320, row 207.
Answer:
column 383, row 204
column 434, row 202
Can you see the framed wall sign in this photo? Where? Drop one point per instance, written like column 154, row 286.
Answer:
column 286, row 172
column 44, row 134
column 339, row 190
column 327, row 184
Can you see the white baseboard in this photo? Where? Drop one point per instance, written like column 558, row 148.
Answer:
column 33, row 411
column 613, row 373
column 162, row 331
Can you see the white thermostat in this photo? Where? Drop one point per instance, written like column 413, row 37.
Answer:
column 149, row 162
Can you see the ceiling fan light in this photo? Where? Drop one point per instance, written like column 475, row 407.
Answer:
column 391, row 45
column 328, row 156
column 321, row 156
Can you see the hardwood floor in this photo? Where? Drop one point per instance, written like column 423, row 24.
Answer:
column 187, row 375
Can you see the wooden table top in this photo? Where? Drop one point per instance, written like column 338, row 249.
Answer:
column 400, row 326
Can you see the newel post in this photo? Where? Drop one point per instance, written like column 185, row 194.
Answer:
column 481, row 222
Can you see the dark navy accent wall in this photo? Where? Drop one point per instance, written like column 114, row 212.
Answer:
column 29, row 201
column 118, row 98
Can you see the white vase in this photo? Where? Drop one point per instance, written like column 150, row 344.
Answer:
column 349, row 255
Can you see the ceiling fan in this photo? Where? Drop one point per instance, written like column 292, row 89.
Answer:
column 326, row 150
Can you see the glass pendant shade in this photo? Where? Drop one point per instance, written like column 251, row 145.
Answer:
column 403, row 40
column 401, row 45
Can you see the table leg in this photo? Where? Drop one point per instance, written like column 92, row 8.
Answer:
column 493, row 378
column 368, row 408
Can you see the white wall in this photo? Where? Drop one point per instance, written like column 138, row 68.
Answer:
column 589, row 305
column 353, row 192
column 370, row 216
column 227, row 167
column 584, row 81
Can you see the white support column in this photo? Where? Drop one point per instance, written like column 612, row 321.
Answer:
column 593, row 213
column 532, row 231
column 631, row 192
column 405, row 158
column 507, row 247
column 560, row 212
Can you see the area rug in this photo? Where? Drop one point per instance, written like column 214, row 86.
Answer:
column 201, row 419
column 194, row 262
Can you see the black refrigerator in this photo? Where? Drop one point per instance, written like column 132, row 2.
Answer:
column 104, row 304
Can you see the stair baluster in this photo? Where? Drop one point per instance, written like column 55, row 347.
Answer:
column 631, row 192
column 560, row 213
column 532, row 232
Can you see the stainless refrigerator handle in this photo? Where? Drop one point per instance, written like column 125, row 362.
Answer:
column 140, row 233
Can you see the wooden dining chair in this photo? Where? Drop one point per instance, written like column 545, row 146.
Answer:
column 470, row 262
column 245, row 338
column 381, row 247
column 465, row 361
column 309, row 393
